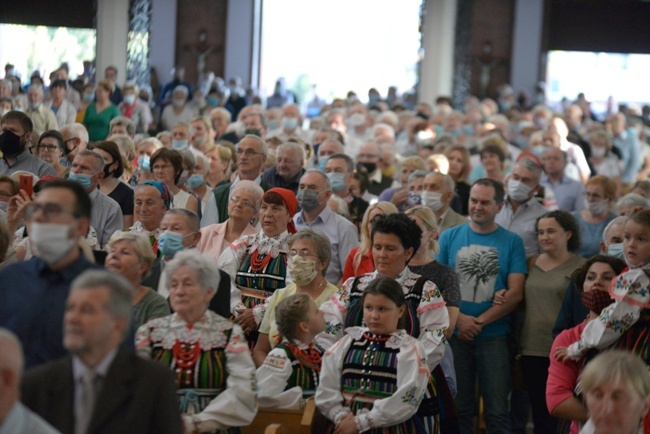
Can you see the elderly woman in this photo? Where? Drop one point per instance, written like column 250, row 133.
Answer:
column 629, row 203
column 179, row 110
column 135, row 109
column 130, row 255
column 309, row 256
column 257, row 264
column 359, row 261
column 167, row 167
column 196, row 182
column 151, row 201
column 600, row 194
column 50, row 149
column 214, row 370
column 395, row 239
column 99, row 114
column 146, row 148
column 243, row 208
column 220, row 161
column 110, row 184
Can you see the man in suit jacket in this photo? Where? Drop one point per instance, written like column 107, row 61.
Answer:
column 438, row 194
column 101, row 387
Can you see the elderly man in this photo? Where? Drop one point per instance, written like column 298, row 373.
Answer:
column 101, row 387
column 438, row 194
column 33, row 293
column 339, row 169
column 17, row 130
column 64, row 111
column 289, row 167
column 370, row 158
column 178, row 110
column 568, row 192
column 251, row 156
column 627, row 143
column 520, row 210
column 327, row 148
column 220, row 118
column 612, row 244
column 15, row 418
column 291, row 125
column 42, row 117
column 254, row 123
column 75, row 139
column 106, row 215
column 314, row 192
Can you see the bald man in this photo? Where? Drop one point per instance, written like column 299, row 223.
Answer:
column 15, row 418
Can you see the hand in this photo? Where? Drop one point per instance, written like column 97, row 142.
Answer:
column 246, row 320
column 399, row 197
column 499, row 297
column 468, row 327
column 562, row 354
column 16, row 209
column 347, row 425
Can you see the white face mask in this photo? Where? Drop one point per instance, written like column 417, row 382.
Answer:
column 596, row 208
column 518, row 191
column 50, row 241
column 432, row 200
column 598, row 152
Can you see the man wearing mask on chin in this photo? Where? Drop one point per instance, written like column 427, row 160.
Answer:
column 437, row 195
column 16, row 132
column 33, row 293
column 106, row 216
column 339, row 169
column 314, row 191
column 520, row 211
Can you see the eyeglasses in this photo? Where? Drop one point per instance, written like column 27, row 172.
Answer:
column 245, row 202
column 249, row 152
column 161, row 166
column 49, row 210
column 303, row 253
column 592, row 196
column 48, row 148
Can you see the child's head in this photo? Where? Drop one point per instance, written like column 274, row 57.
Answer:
column 297, row 316
column 636, row 238
column 383, row 305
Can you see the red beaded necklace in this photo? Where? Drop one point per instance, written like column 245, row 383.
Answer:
column 257, row 264
column 309, row 357
column 186, row 355
column 375, row 338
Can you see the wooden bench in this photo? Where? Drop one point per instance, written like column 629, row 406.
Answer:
column 277, row 421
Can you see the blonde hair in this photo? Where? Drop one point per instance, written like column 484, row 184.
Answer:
column 415, row 162
column 141, row 245
column 366, row 243
column 290, row 312
column 430, row 223
column 467, row 167
column 620, row 367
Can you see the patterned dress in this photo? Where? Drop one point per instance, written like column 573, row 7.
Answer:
column 214, row 370
column 379, row 379
column 284, row 380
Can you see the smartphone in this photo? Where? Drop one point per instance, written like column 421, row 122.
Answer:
column 26, row 184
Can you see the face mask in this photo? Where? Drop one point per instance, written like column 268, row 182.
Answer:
column 518, row 191
column 357, row 120
column 337, row 180
column 178, row 103
column 183, row 178
column 35, row 106
column 289, row 123
column 82, row 178
column 273, row 125
column 415, row 198
column 370, row 167
column 170, row 243
column 4, row 112
column 598, row 152
column 596, row 300
column 144, row 163
column 10, row 143
column 50, row 241
column 615, row 250
column 129, row 99
column 212, row 101
column 107, row 171
column 468, row 130
column 195, row 180
column 302, row 271
column 88, row 97
column 539, row 150
column 307, row 199
column 179, row 144
column 253, row 131
column 540, row 123
column 3, row 206
column 424, row 138
column 432, row 200
column 596, row 208
column 198, row 141
column 322, row 161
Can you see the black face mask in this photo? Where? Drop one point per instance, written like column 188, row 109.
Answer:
column 10, row 143
column 370, row 167
column 107, row 171
column 253, row 131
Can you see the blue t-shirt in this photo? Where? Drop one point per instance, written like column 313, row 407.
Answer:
column 483, row 263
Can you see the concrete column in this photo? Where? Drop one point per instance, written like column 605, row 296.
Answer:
column 526, row 44
column 242, row 51
column 437, row 65
column 112, row 34
column 162, row 38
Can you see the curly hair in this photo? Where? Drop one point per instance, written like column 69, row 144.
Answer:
column 566, row 222
column 580, row 274
column 402, row 226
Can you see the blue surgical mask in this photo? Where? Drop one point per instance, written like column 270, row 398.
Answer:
column 89, row 97
column 337, row 180
column 289, row 123
column 170, row 243
column 180, row 144
column 615, row 250
column 212, row 101
column 322, row 161
column 415, row 198
column 195, row 180
column 82, row 178
column 144, row 163
column 35, row 106
column 273, row 125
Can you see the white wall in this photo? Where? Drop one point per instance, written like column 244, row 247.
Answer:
column 162, row 38
column 240, row 46
column 526, row 44
column 112, row 34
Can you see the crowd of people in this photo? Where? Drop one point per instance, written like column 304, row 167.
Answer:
column 171, row 262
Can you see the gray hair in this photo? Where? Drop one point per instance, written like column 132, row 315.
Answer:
column 157, row 144
column 265, row 147
column 292, row 147
column 163, row 134
column 188, row 158
column 252, row 188
column 417, row 175
column 339, row 144
column 529, row 164
column 320, row 243
column 450, row 185
column 123, row 121
column 77, row 130
column 121, row 291
column 8, row 83
column 141, row 245
column 206, row 269
column 11, row 356
column 326, row 180
column 632, row 199
column 620, row 220
column 383, row 126
column 36, row 87
column 99, row 162
column 193, row 220
column 620, row 367
column 261, row 116
column 223, row 111
column 348, row 161
column 341, row 206
column 204, row 161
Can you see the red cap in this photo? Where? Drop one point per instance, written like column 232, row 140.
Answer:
column 290, row 202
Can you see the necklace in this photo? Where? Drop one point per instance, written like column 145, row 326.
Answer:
column 308, row 358
column 257, row 264
column 375, row 338
column 186, row 354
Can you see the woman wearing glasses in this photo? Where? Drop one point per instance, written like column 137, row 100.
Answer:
column 600, row 196
column 309, row 257
column 50, row 149
column 257, row 264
